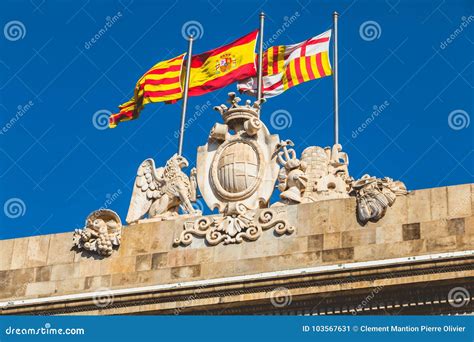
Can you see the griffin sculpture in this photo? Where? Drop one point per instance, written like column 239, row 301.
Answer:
column 159, row 192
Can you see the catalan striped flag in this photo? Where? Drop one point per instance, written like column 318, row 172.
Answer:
column 162, row 83
column 284, row 67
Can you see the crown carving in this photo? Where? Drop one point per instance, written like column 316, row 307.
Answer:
column 236, row 111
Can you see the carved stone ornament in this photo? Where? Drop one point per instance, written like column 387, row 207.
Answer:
column 375, row 195
column 160, row 192
column 322, row 173
column 238, row 164
column 102, row 232
column 235, row 228
column 236, row 173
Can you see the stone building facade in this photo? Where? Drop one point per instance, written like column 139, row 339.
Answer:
column 417, row 259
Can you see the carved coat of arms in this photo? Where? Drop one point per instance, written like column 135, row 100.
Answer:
column 238, row 164
column 236, row 173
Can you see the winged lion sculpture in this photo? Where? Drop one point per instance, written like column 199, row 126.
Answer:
column 159, row 192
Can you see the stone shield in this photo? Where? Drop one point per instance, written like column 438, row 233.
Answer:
column 239, row 169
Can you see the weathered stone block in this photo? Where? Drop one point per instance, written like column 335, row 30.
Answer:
column 64, row 271
column 122, row 265
column 313, row 218
column 160, row 276
column 433, row 229
column 439, row 203
column 159, row 260
column 143, row 262
column 71, row 285
column 44, row 288
column 315, row 242
column 136, row 239
column 397, row 213
column 388, row 233
column 43, row 273
column 419, row 206
column 20, row 250
column 6, row 252
column 186, row 272
column 443, row 244
column 332, row 240
column 455, row 226
column 97, row 282
column 288, row 245
column 337, row 219
column 459, row 201
column 411, row 231
column 89, row 268
column 60, row 252
column 38, row 247
column 124, row 279
column 361, row 237
column 337, row 255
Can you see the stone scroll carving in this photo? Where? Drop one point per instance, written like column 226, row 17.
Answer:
column 160, row 192
column 102, row 232
column 236, row 227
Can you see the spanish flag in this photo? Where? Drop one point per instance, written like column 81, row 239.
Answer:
column 220, row 67
column 284, row 67
column 162, row 83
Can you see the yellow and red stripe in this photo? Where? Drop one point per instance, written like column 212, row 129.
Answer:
column 286, row 66
column 162, row 83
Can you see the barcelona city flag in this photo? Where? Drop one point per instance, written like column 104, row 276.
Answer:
column 162, row 83
column 222, row 66
column 286, row 66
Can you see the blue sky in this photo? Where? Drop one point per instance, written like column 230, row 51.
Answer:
column 409, row 61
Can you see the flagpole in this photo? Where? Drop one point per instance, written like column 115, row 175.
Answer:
column 185, row 95
column 336, row 91
column 260, row 58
